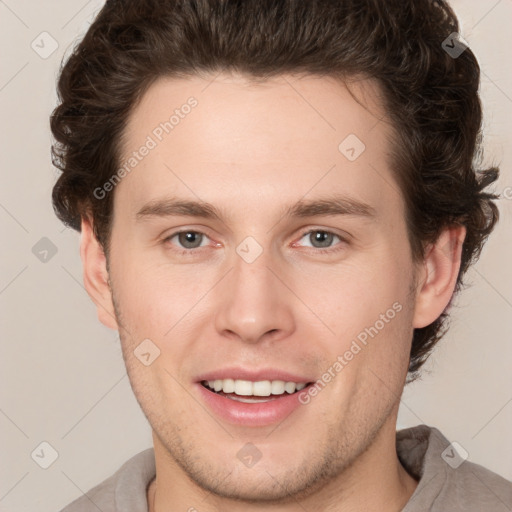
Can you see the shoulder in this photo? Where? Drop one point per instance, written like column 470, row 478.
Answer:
column 447, row 480
column 124, row 491
column 477, row 488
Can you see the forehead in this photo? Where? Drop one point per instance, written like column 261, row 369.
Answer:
column 224, row 136
column 306, row 106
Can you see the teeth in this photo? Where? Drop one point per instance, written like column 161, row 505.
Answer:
column 259, row 388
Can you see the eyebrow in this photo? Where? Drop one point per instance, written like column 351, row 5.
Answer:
column 333, row 205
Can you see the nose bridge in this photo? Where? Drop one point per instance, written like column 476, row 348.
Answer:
column 254, row 303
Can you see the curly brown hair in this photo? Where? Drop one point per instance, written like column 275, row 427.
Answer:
column 430, row 95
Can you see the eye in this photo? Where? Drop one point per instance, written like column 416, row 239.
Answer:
column 323, row 239
column 187, row 239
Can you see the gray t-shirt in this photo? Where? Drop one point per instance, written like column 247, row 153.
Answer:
column 446, row 482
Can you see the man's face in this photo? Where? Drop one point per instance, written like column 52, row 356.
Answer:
column 257, row 289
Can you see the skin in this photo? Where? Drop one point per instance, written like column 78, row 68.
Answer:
column 251, row 150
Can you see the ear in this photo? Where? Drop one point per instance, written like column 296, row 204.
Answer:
column 96, row 279
column 438, row 276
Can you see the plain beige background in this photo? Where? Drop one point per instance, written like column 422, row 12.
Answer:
column 63, row 378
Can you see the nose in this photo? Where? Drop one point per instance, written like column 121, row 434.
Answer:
column 255, row 305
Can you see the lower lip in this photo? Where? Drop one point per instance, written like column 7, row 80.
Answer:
column 257, row 414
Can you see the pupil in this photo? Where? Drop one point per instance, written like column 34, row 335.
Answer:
column 322, row 237
column 188, row 238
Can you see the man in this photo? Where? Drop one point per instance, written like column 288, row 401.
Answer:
column 277, row 201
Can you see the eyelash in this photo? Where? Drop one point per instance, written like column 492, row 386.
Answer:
column 190, row 252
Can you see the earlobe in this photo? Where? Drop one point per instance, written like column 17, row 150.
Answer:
column 438, row 277
column 96, row 278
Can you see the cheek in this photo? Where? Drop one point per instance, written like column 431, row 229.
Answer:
column 154, row 298
column 352, row 296
column 370, row 312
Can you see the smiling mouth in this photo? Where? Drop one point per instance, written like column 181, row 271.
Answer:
column 253, row 392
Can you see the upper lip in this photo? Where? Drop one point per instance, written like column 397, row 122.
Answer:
column 253, row 375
